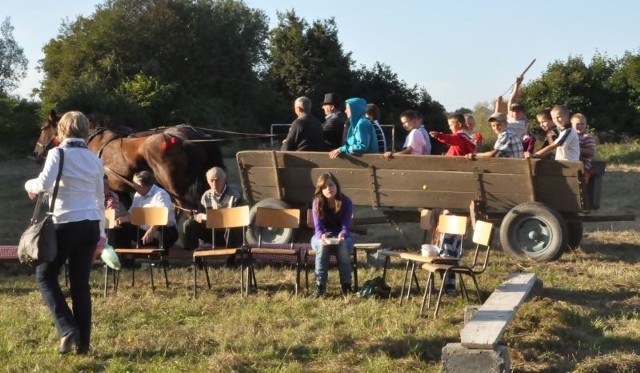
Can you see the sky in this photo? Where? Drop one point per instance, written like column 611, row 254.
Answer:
column 462, row 52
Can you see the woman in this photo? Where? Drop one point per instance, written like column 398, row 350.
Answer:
column 77, row 214
column 361, row 137
column 332, row 213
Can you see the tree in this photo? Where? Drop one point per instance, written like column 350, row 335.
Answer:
column 307, row 60
column 13, row 63
column 169, row 61
column 605, row 90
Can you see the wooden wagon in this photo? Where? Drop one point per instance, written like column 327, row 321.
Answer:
column 539, row 204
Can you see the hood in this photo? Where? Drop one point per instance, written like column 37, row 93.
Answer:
column 357, row 106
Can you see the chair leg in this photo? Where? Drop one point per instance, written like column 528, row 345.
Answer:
column 475, row 282
column 463, row 287
column 444, row 276
column 133, row 273
column 106, row 278
column 164, row 269
column 404, row 282
column 355, row 270
column 153, row 285
column 206, row 272
column 424, row 297
column 297, row 277
column 415, row 279
column 195, row 279
column 384, row 269
column 429, row 287
column 411, row 278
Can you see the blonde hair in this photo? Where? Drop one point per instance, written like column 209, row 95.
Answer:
column 73, row 124
column 581, row 117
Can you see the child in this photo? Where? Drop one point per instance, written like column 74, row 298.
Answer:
column 417, row 141
column 507, row 144
column 332, row 213
column 567, row 145
column 587, row 143
column 459, row 142
column 476, row 137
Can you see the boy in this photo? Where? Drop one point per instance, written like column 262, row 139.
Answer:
column 459, row 142
column 507, row 144
column 586, row 141
column 567, row 145
column 417, row 141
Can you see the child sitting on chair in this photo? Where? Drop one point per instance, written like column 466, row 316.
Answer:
column 332, row 213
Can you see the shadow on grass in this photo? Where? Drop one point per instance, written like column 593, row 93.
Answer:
column 426, row 349
column 613, row 253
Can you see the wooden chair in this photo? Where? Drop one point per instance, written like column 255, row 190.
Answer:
column 269, row 218
column 482, row 236
column 310, row 252
column 451, row 225
column 149, row 216
column 224, row 218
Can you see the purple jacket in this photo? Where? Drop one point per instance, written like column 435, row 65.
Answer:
column 333, row 224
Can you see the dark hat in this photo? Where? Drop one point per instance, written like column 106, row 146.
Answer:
column 330, row 99
column 516, row 107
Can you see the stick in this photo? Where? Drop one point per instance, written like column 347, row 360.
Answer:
column 524, row 72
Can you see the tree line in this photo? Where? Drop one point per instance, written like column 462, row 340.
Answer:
column 216, row 64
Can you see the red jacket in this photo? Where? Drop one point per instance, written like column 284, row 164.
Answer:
column 459, row 143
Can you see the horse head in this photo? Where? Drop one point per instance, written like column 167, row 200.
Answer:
column 47, row 139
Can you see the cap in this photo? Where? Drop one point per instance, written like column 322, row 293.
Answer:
column 516, row 107
column 500, row 117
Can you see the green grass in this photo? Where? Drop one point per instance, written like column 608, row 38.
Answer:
column 585, row 320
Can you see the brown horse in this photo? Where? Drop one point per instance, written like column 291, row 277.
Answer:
column 178, row 163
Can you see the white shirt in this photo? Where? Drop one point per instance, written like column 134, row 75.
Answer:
column 155, row 197
column 568, row 145
column 80, row 193
column 418, row 139
column 517, row 127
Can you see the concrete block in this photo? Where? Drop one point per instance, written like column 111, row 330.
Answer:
column 458, row 359
column 469, row 311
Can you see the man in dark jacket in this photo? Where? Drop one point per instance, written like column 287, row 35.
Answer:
column 305, row 133
column 333, row 126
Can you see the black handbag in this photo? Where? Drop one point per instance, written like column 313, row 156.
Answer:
column 38, row 243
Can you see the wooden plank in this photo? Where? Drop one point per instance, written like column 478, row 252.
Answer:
column 257, row 158
column 488, row 324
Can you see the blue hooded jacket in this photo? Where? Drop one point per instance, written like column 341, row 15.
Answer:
column 361, row 137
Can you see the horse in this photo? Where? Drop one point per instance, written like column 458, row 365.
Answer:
column 178, row 162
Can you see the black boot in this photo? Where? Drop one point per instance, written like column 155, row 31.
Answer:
column 346, row 289
column 321, row 290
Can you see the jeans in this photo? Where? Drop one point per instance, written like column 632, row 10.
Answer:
column 76, row 242
column 343, row 254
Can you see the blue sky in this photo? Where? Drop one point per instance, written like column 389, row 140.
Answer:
column 462, row 52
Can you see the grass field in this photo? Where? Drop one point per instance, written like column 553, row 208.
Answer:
column 585, row 320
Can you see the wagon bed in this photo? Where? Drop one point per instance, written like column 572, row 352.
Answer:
column 540, row 203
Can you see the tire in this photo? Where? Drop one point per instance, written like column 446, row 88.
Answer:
column 534, row 231
column 275, row 235
column 574, row 235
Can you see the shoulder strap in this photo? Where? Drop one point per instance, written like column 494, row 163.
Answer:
column 55, row 186
column 36, row 210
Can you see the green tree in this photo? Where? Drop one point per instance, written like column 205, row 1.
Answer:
column 306, row 60
column 170, row 61
column 13, row 63
column 605, row 90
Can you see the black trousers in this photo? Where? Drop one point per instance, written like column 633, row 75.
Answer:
column 76, row 242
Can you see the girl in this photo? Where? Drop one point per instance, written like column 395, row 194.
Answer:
column 332, row 213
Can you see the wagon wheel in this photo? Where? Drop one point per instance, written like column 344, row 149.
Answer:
column 533, row 230
column 271, row 235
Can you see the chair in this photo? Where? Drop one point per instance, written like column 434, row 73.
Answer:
column 149, row 216
column 224, row 218
column 448, row 226
column 267, row 219
column 482, row 236
column 310, row 252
